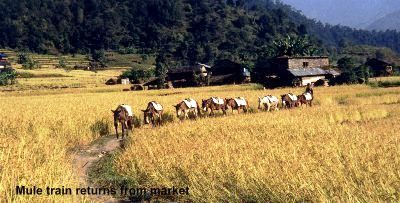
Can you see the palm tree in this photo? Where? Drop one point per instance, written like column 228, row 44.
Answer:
column 293, row 46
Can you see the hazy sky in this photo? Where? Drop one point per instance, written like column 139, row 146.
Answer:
column 354, row 13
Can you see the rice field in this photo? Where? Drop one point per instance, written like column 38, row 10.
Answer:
column 344, row 149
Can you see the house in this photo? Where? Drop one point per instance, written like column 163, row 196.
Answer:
column 300, row 71
column 3, row 57
column 188, row 76
column 379, row 67
column 125, row 81
column 228, row 72
column 4, row 65
column 112, row 81
column 154, row 82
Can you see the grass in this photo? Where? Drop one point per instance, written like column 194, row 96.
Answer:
column 50, row 78
column 345, row 148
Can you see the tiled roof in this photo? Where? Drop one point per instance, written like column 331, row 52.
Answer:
column 298, row 72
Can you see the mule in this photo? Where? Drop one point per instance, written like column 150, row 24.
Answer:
column 153, row 114
column 269, row 102
column 214, row 104
column 187, row 106
column 289, row 101
column 306, row 98
column 123, row 115
column 237, row 103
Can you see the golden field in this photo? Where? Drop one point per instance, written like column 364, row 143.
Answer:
column 345, row 148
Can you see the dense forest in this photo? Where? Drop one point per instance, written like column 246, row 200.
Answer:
column 189, row 30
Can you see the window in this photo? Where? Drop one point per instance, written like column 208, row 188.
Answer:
column 305, row 64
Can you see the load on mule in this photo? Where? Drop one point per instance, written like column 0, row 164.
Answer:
column 237, row 103
column 186, row 106
column 269, row 102
column 123, row 115
column 214, row 104
column 153, row 113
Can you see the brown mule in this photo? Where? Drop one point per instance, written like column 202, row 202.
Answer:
column 231, row 102
column 210, row 104
column 287, row 102
column 302, row 99
column 153, row 114
column 182, row 107
column 121, row 116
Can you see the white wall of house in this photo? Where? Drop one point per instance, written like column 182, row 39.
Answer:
column 312, row 79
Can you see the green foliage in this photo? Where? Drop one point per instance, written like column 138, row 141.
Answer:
column 31, row 64
column 138, row 75
column 23, row 58
column 161, row 70
column 351, row 73
column 99, row 56
column 8, row 77
column 187, row 30
column 62, row 64
column 293, row 46
column 385, row 84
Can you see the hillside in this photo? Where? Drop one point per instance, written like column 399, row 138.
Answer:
column 189, row 30
column 388, row 22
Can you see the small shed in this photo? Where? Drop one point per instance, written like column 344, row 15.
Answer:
column 3, row 57
column 112, row 81
column 229, row 72
column 188, row 76
column 137, row 87
column 125, row 81
column 152, row 83
column 379, row 67
column 4, row 65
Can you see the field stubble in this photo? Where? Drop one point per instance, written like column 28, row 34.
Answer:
column 345, row 148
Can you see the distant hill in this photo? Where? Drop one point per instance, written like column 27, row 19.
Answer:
column 353, row 13
column 389, row 22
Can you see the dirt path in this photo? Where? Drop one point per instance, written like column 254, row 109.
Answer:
column 84, row 158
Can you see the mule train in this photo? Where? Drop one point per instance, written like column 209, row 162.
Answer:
column 153, row 114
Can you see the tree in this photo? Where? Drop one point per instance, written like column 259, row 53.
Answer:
column 161, row 69
column 351, row 73
column 293, row 46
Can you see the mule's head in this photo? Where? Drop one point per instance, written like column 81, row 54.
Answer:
column 178, row 110
column 227, row 102
column 117, row 113
column 146, row 116
column 204, row 104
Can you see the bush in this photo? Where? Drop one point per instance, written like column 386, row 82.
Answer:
column 100, row 127
column 127, row 50
column 136, row 122
column 62, row 64
column 351, row 74
column 31, row 64
column 167, row 118
column 23, row 58
column 8, row 77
